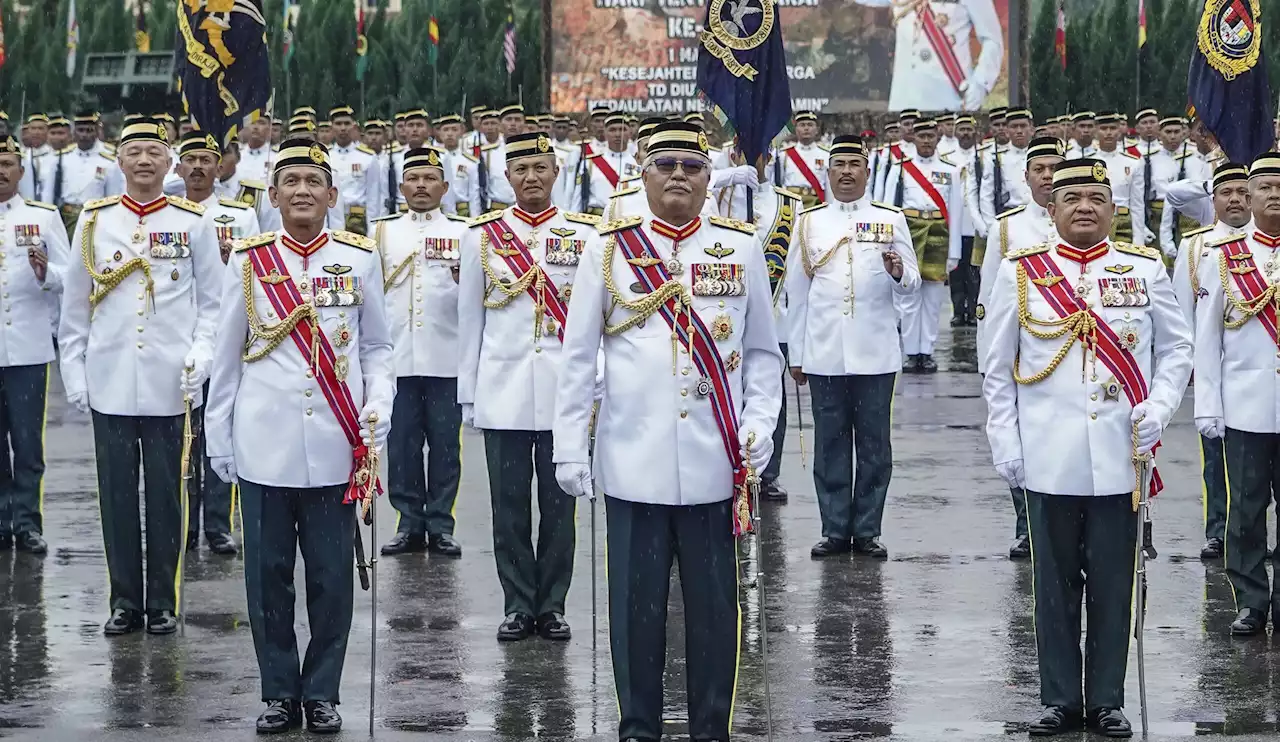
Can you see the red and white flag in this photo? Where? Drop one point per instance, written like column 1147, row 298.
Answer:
column 509, row 43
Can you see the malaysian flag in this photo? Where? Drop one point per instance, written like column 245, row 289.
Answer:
column 509, row 43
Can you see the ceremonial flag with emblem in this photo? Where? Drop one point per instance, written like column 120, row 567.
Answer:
column 433, row 34
column 1060, row 36
column 1227, row 83
column 509, row 43
column 224, row 68
column 1142, row 24
column 288, row 27
column 141, row 39
column 362, row 43
column 73, row 38
column 742, row 69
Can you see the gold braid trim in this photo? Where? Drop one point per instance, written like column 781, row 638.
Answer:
column 644, row 308
column 395, row 273
column 514, row 290
column 810, row 267
column 1248, row 308
column 1193, row 263
column 275, row 334
column 105, row 282
column 1080, row 325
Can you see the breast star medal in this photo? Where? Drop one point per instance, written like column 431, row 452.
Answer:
column 721, row 327
column 1111, row 389
column 674, row 266
column 733, row 361
column 342, row 336
column 703, row 388
column 340, row 367
column 1129, row 336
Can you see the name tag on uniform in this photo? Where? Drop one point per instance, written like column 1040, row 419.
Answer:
column 28, row 235
column 337, row 291
column 1124, row 292
column 170, row 245
column 819, row 162
column 719, row 279
column 100, row 173
column 943, row 179
column 872, row 232
column 562, row 251
column 356, row 169
column 442, row 248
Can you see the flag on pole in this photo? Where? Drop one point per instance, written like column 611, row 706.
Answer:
column 291, row 10
column 509, row 43
column 73, row 38
column 1142, row 23
column 433, row 33
column 225, row 68
column 1060, row 35
column 141, row 39
column 362, row 43
column 1227, row 81
column 2, row 56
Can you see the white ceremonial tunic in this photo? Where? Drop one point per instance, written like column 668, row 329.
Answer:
column 496, row 184
column 129, row 350
column 231, row 219
column 944, row 176
column 1193, row 198
column 358, row 175
column 1015, row 229
column 1194, row 253
column 651, row 400
column 25, row 337
column 271, row 414
column 1013, row 183
column 1127, row 188
column 256, row 163
column 419, row 255
column 508, row 357
column 1074, row 435
column 842, row 318
column 35, row 165
column 87, row 175
column 623, row 165
column 816, row 159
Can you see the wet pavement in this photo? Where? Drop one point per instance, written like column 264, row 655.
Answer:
column 935, row 644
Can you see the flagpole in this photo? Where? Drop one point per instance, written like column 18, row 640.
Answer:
column 1137, row 76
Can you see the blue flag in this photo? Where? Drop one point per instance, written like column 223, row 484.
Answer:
column 224, row 70
column 742, row 68
column 1227, row 83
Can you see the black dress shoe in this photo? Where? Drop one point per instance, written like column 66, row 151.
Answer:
column 870, row 547
column 1021, row 548
column 221, row 543
column 122, row 622
column 1110, row 723
column 1055, row 720
column 1250, row 622
column 322, row 717
column 553, row 626
column 31, row 542
column 1212, row 549
column 912, row 366
column 405, row 543
column 957, row 321
column 280, row 716
column 774, row 491
column 193, row 541
column 830, row 547
column 444, row 545
column 162, row 623
column 928, row 365
column 516, row 627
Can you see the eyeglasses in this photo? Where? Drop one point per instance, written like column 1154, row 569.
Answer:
column 667, row 165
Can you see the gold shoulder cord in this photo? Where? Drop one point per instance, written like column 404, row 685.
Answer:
column 1193, row 263
column 390, row 280
column 516, row 288
column 275, row 334
column 105, row 282
column 1004, row 238
column 810, row 267
column 1247, row 308
column 645, row 307
column 1080, row 325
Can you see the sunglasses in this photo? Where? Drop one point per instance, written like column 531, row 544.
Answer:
column 667, row 165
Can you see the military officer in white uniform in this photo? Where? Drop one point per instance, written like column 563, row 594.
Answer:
column 490, row 189
column 1128, row 189
column 1017, row 228
column 81, row 172
column 964, row 277
column 518, row 264
column 804, row 163
column 852, row 257
column 35, row 158
column 1065, row 422
column 1174, row 161
column 927, row 187
column 1230, row 203
column 700, row 415
column 1235, row 389
column 1004, row 184
column 136, row 338
column 301, row 433
column 256, row 155
column 420, row 253
column 456, row 161
column 33, row 242
column 357, row 171
column 1081, row 142
column 606, row 169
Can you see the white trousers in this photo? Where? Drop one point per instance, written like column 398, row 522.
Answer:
column 920, row 318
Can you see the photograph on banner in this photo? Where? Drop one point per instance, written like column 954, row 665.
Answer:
column 641, row 56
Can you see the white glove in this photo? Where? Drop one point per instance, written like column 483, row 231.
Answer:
column 1211, row 427
column 575, row 480
column 224, row 467
column 1149, row 428
column 973, row 94
column 1151, row 236
column 745, row 175
column 759, row 448
column 195, row 372
column 79, row 400
column 469, row 415
column 952, row 264
column 1012, row 474
column 380, row 428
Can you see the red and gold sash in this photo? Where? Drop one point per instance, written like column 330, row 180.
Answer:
column 814, row 182
column 1250, row 283
column 923, row 181
column 607, row 170
column 520, row 261
column 941, row 43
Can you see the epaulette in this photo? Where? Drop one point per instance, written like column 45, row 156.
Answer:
column 1023, row 252
column 594, row 155
column 231, row 203
column 1216, row 243
column 492, row 216
column 624, row 192
column 1184, row 155
column 387, row 218
column 469, row 156
column 362, row 147
column 70, row 148
column 815, row 207
column 784, row 192
column 734, row 224
column 185, row 205
column 943, row 158
column 454, row 218
column 985, row 144
column 1194, row 232
column 256, row 185
column 355, row 240
column 99, row 203
column 786, row 147
column 824, row 148
column 890, row 207
column 395, row 147
column 1011, row 212
column 108, row 156
column 487, row 147
column 247, row 243
column 1143, row 250
column 573, row 216
column 628, row 180
column 108, row 146
column 40, row 205
column 626, row 222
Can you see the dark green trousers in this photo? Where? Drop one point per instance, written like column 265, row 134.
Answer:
column 208, row 497
column 23, row 401
column 1019, row 511
column 644, row 540
column 852, row 414
column 1082, row 547
column 1214, row 470
column 120, row 443
column 278, row 522
column 533, row 582
column 425, row 413
column 1253, row 476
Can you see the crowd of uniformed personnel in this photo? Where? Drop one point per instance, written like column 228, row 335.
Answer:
column 366, row 288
